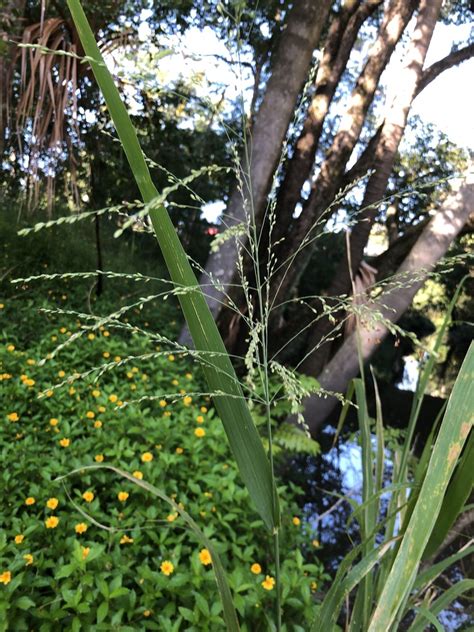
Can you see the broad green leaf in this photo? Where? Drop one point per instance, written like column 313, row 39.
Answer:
column 453, row 433
column 243, row 437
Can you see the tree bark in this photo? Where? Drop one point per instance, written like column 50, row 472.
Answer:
column 430, row 247
column 385, row 154
column 289, row 72
column 298, row 249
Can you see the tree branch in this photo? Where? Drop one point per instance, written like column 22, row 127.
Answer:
column 453, row 59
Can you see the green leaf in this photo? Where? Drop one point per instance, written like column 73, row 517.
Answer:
column 102, row 611
column 242, row 434
column 453, row 433
column 24, row 603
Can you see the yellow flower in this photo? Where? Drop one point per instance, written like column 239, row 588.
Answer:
column 29, row 382
column 174, row 382
column 88, row 496
column 122, row 496
column 19, row 538
column 172, row 517
column 126, row 540
column 113, row 398
column 200, row 419
column 2, row 305
column 189, row 376
column 315, row 543
column 163, row 403
column 81, row 527
column 13, row 417
column 166, row 568
column 256, row 569
column 90, row 414
column 187, row 400
column 199, row 432
column 31, row 362
column 53, row 421
column 28, row 559
column 11, row 348
column 30, row 500
column 5, row 577
column 205, row 557
column 51, row 522
column 99, row 458
column 268, row 583
column 106, row 334
column 171, row 357
column 106, row 354
column 138, row 474
column 65, row 443
column 97, row 424
column 72, row 391
column 61, row 374
column 52, row 503
column 96, row 392
column 54, row 338
column 49, row 393
column 167, row 413
column 314, row 586
column 296, row 521
column 203, row 409
column 117, row 359
column 130, row 375
column 101, row 409
column 147, row 613
column 90, row 336
column 134, row 369
column 147, row 457
column 179, row 450
column 85, row 551
column 62, row 330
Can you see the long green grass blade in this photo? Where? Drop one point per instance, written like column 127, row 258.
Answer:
column 425, row 578
column 242, row 434
column 453, row 433
column 443, row 602
column 459, row 490
column 229, row 614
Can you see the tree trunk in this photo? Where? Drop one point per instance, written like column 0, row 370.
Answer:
column 430, row 247
column 289, row 72
column 385, row 154
column 297, row 250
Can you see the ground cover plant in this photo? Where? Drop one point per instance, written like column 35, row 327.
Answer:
column 110, row 401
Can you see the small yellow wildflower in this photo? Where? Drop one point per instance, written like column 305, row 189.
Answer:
column 189, row 376
column 90, row 336
column 126, row 540
column 52, row 503
column 19, row 538
column 11, row 348
column 205, row 557
column 172, row 517
column 65, row 443
column 166, row 568
column 171, row 357
column 30, row 500
column 88, row 496
column 200, row 419
column 85, row 551
column 268, row 583
column 117, row 358
column 53, row 421
column 147, row 457
column 106, row 334
column 72, row 391
column 90, row 414
column 61, row 374
column 31, row 362
column 101, row 409
column 296, row 521
column 256, row 569
column 147, row 613
column 106, row 354
column 62, row 330
column 30, row 382
column 187, row 400
column 99, row 458
column 80, row 527
column 163, row 403
column 138, row 474
column 315, row 543
column 167, row 413
column 97, row 424
column 122, row 496
column 13, row 417
column 314, row 586
column 175, row 382
column 54, row 338
column 203, row 409
column 113, row 398
column 51, row 522
column 199, row 432
column 96, row 392
column 5, row 577
column 179, row 450
column 28, row 559
column 49, row 393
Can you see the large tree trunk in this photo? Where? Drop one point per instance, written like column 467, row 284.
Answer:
column 295, row 252
column 407, row 80
column 430, row 247
column 289, row 72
